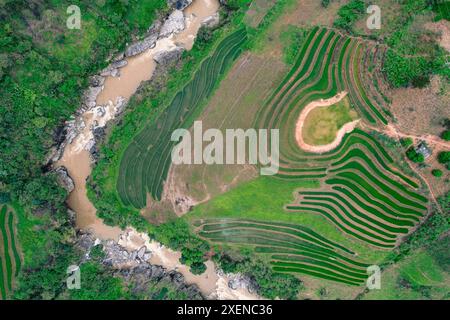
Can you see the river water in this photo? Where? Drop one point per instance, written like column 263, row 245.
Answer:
column 139, row 68
column 78, row 163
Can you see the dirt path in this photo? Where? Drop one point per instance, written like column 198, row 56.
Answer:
column 346, row 128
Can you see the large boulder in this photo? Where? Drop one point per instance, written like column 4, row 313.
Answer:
column 64, row 179
column 118, row 64
column 173, row 24
column 120, row 105
column 96, row 81
column 179, row 4
column 141, row 46
column 90, row 96
column 165, row 57
column 211, row 21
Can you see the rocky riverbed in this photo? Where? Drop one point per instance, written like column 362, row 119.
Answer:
column 132, row 258
column 76, row 150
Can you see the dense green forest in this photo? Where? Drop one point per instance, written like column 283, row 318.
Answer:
column 44, row 67
column 413, row 54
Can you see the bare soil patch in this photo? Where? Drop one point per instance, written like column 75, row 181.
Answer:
column 310, row 12
column 421, row 111
column 443, row 29
column 257, row 11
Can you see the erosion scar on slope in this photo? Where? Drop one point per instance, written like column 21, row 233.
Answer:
column 346, row 128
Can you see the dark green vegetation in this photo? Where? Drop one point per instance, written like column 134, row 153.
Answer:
column 406, row 142
column 441, row 8
column 349, row 14
column 437, row 173
column 177, row 235
column 44, row 68
column 10, row 259
column 414, row 54
column 97, row 282
column 444, row 157
column 271, row 284
column 146, row 161
column 414, row 156
column 446, row 135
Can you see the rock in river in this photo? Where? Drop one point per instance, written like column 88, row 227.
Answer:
column 64, row 179
column 179, row 4
column 139, row 47
column 165, row 57
column 173, row 24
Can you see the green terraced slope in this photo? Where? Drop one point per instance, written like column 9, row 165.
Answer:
column 146, row 161
column 291, row 248
column 10, row 260
column 363, row 192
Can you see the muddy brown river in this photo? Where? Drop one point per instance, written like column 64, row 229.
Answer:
column 78, row 163
column 139, row 68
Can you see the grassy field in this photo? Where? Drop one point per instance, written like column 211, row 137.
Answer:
column 10, row 258
column 322, row 124
column 417, row 277
column 254, row 76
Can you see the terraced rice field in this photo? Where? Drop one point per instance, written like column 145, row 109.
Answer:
column 328, row 63
column 10, row 260
column 145, row 164
column 362, row 193
column 292, row 248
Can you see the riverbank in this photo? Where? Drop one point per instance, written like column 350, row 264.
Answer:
column 109, row 94
column 106, row 99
